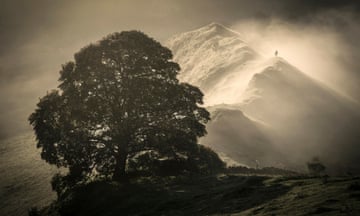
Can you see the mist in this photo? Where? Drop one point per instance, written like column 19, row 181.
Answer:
column 319, row 51
column 38, row 37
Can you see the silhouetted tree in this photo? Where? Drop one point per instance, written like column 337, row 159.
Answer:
column 120, row 97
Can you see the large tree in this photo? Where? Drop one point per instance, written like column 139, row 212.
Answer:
column 118, row 99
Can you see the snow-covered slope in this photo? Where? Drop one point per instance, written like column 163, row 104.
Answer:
column 215, row 59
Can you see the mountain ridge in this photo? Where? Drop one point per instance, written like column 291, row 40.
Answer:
column 306, row 117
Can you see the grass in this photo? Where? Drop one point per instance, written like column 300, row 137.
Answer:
column 214, row 195
column 310, row 196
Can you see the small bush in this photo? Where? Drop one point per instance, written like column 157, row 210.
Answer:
column 315, row 167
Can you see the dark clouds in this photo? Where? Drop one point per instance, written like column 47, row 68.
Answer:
column 300, row 10
column 38, row 36
column 21, row 20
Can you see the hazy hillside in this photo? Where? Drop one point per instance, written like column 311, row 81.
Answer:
column 25, row 178
column 312, row 119
column 240, row 138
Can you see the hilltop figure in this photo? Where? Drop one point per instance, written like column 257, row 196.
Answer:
column 276, row 53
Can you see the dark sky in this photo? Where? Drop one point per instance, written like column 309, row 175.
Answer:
column 38, row 36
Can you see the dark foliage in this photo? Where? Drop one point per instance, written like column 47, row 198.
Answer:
column 354, row 186
column 34, row 212
column 202, row 161
column 120, row 101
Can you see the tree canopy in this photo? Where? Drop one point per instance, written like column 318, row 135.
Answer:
column 119, row 99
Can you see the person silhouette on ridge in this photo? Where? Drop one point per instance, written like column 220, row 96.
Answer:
column 276, row 53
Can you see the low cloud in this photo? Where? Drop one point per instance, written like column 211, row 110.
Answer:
column 325, row 52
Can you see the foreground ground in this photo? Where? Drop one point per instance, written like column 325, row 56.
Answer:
column 215, row 195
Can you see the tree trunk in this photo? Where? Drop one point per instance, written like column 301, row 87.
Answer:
column 120, row 172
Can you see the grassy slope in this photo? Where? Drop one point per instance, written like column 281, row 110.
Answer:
column 222, row 195
column 24, row 177
column 339, row 196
